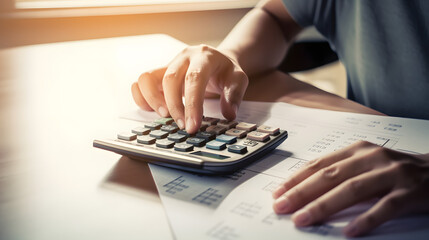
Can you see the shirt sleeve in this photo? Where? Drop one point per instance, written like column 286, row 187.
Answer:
column 318, row 13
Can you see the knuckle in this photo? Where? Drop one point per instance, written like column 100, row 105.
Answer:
column 330, row 173
column 190, row 105
column 364, row 144
column 288, row 184
column 355, row 187
column 186, row 50
column 193, row 76
column 204, row 47
column 407, row 172
column 314, row 165
column 201, row 48
column 191, row 102
column 379, row 151
column 393, row 204
column 401, row 168
column 169, row 76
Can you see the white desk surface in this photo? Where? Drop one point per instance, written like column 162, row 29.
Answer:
column 54, row 100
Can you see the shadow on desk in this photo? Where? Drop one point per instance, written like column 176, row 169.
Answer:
column 131, row 177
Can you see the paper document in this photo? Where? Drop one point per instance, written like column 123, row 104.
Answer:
column 239, row 206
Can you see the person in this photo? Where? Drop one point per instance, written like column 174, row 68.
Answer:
column 384, row 47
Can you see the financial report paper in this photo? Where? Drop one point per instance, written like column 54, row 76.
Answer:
column 239, row 206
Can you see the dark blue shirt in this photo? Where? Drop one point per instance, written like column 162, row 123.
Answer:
column 384, row 45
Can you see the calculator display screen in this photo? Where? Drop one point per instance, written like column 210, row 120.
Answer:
column 210, row 155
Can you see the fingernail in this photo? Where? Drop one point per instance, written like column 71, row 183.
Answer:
column 162, row 111
column 189, row 124
column 351, row 230
column 282, row 205
column 302, row 217
column 180, row 123
column 278, row 192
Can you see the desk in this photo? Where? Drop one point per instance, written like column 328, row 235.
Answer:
column 54, row 100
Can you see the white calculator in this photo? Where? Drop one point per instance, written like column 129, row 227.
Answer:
column 219, row 147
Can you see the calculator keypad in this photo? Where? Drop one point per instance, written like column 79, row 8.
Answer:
column 216, row 135
column 146, row 139
column 177, row 137
column 164, row 143
column 226, row 139
column 237, row 149
column 158, row 134
column 153, row 126
column 236, row 132
column 141, row 131
column 216, row 145
column 216, row 129
column 197, row 142
column 127, row 136
column 183, row 147
column 258, row 136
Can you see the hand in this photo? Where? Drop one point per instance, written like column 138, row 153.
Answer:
column 194, row 73
column 357, row 173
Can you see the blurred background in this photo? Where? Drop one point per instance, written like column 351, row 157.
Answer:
column 27, row 22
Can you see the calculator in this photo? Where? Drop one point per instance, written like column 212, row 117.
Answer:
column 219, row 147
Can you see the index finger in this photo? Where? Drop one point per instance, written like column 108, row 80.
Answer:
column 196, row 79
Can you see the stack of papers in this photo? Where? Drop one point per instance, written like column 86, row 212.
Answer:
column 239, row 206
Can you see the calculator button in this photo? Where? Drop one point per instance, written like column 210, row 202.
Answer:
column 246, row 126
column 226, row 139
column 210, row 121
column 164, row 121
column 183, row 132
column 268, row 129
column 227, row 124
column 197, row 142
column 177, row 137
column 208, row 136
column 258, row 136
column 236, row 132
column 250, row 143
column 153, row 126
column 237, row 149
column 158, row 134
column 169, row 128
column 141, row 131
column 216, row 145
column 145, row 139
column 183, row 147
column 216, row 129
column 127, row 136
column 164, row 143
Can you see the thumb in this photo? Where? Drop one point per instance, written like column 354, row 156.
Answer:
column 235, row 86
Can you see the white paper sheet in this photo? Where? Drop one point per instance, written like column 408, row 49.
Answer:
column 239, row 206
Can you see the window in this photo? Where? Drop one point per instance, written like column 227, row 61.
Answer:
column 73, row 8
column 44, row 4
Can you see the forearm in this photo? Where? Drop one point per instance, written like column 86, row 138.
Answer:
column 276, row 86
column 259, row 41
